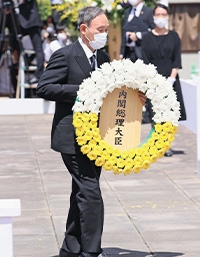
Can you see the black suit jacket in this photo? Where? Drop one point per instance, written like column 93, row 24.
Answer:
column 28, row 14
column 146, row 16
column 67, row 69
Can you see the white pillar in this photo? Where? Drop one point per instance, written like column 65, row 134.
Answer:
column 9, row 208
column 198, row 117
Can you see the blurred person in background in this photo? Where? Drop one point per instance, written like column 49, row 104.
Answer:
column 138, row 20
column 31, row 24
column 162, row 48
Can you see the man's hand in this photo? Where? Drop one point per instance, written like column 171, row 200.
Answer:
column 142, row 97
column 132, row 36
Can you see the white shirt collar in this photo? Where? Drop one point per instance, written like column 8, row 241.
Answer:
column 139, row 9
column 87, row 51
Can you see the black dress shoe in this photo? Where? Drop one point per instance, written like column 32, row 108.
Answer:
column 168, row 153
column 33, row 80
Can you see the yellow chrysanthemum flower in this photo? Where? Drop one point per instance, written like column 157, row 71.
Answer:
column 81, row 140
column 158, row 127
column 112, row 159
column 116, row 152
column 155, row 136
column 88, row 134
column 124, row 154
column 99, row 161
column 115, row 170
column 77, row 115
column 120, row 163
column 85, row 149
column 105, row 155
column 92, row 124
column 93, row 117
column 92, row 143
column 167, row 126
column 174, row 129
column 167, row 145
column 150, row 142
column 153, row 158
column 92, row 155
column 145, row 156
column 98, row 150
column 137, row 160
column 80, row 131
column 171, row 138
column 139, row 151
column 159, row 144
column 85, row 117
column 132, row 153
column 137, row 168
column 164, row 135
column 108, row 165
column 103, row 144
column 78, row 123
column 109, row 148
column 153, row 150
column 161, row 152
column 129, row 161
column 127, row 169
column 146, row 164
column 97, row 137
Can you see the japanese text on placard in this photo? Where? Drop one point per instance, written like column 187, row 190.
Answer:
column 120, row 116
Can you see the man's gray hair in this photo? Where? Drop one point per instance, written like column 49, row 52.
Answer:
column 87, row 14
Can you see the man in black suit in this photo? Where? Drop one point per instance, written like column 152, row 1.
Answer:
column 66, row 70
column 138, row 20
column 31, row 24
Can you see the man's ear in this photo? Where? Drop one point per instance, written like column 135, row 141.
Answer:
column 82, row 28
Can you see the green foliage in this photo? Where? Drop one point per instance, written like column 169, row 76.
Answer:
column 44, row 8
column 150, row 3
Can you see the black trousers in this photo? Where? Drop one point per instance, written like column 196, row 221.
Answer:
column 35, row 35
column 84, row 225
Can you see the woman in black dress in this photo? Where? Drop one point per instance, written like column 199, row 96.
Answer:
column 161, row 47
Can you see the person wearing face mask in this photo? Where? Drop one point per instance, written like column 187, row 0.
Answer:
column 162, row 48
column 66, row 70
column 138, row 20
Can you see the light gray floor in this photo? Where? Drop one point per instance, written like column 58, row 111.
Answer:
column 153, row 213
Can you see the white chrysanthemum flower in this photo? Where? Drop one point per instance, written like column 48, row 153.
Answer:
column 143, row 87
column 107, row 5
column 106, row 68
column 101, row 84
column 96, row 75
column 157, row 118
column 157, row 108
column 78, row 107
column 117, row 66
column 150, row 93
column 103, row 93
column 131, row 84
column 96, row 107
column 111, row 87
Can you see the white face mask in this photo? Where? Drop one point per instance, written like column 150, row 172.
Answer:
column 161, row 22
column 61, row 37
column 133, row 2
column 99, row 41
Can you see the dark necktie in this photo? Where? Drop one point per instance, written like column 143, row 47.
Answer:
column 132, row 14
column 92, row 60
